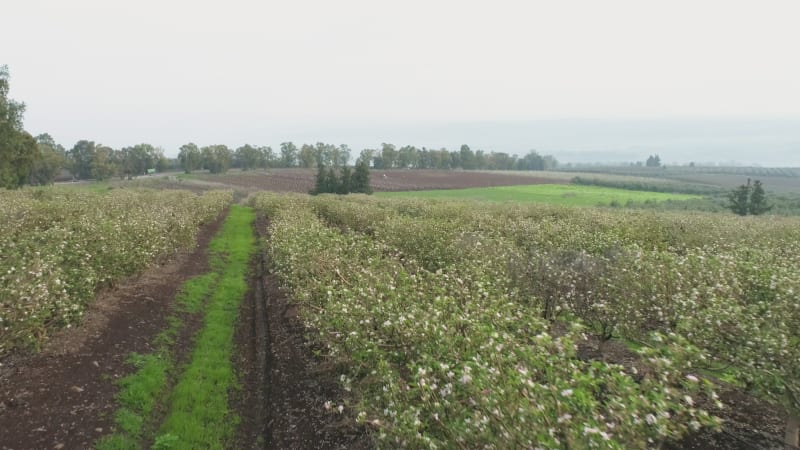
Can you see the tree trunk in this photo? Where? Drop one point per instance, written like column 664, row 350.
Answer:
column 792, row 431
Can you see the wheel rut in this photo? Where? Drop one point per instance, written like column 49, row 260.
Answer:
column 285, row 386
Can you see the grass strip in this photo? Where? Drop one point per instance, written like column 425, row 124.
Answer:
column 199, row 415
column 141, row 390
column 557, row 194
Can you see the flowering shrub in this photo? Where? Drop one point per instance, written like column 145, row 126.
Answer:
column 441, row 350
column 728, row 285
column 58, row 246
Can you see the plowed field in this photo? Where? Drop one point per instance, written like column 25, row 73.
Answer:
column 302, row 180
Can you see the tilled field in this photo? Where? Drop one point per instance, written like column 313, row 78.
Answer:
column 302, row 180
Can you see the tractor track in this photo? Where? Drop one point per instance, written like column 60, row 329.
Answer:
column 284, row 386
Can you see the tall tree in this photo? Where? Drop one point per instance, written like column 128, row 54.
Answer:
column 653, row 161
column 758, row 200
column 739, row 199
column 319, row 184
column 344, row 155
column 80, row 159
column 345, row 181
column 331, row 181
column 407, row 157
column 288, row 154
column 388, row 156
column 268, row 158
column 217, row 158
column 18, row 149
column 467, row 158
column 190, row 157
column 102, row 166
column 367, row 155
column 53, row 159
column 308, row 156
column 360, row 180
column 247, row 157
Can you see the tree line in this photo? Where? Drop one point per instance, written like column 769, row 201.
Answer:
column 411, row 157
column 310, row 156
column 25, row 159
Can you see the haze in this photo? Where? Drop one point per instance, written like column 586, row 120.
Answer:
column 584, row 80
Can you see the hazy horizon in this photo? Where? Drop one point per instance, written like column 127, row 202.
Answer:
column 705, row 80
column 759, row 142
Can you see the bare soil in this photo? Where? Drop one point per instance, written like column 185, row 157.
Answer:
column 64, row 397
column 284, row 386
column 302, row 180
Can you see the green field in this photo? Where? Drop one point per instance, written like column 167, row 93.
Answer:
column 558, row 194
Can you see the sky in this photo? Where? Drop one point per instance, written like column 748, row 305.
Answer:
column 412, row 72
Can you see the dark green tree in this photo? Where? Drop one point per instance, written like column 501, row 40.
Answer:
column 360, row 180
column 749, row 199
column 319, row 183
column 18, row 149
column 467, row 158
column 739, row 199
column 348, row 181
column 758, row 200
column 331, row 181
column 345, row 179
column 80, row 159
column 653, row 161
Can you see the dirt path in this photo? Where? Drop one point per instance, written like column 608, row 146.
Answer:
column 285, row 387
column 64, row 396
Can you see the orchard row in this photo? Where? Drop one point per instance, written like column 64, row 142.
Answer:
column 59, row 246
column 461, row 324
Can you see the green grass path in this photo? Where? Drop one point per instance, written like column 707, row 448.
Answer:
column 197, row 411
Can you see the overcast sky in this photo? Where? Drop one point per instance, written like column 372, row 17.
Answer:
column 169, row 72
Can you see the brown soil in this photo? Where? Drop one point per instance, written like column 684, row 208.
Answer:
column 284, row 386
column 302, row 180
column 64, row 397
column 749, row 424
